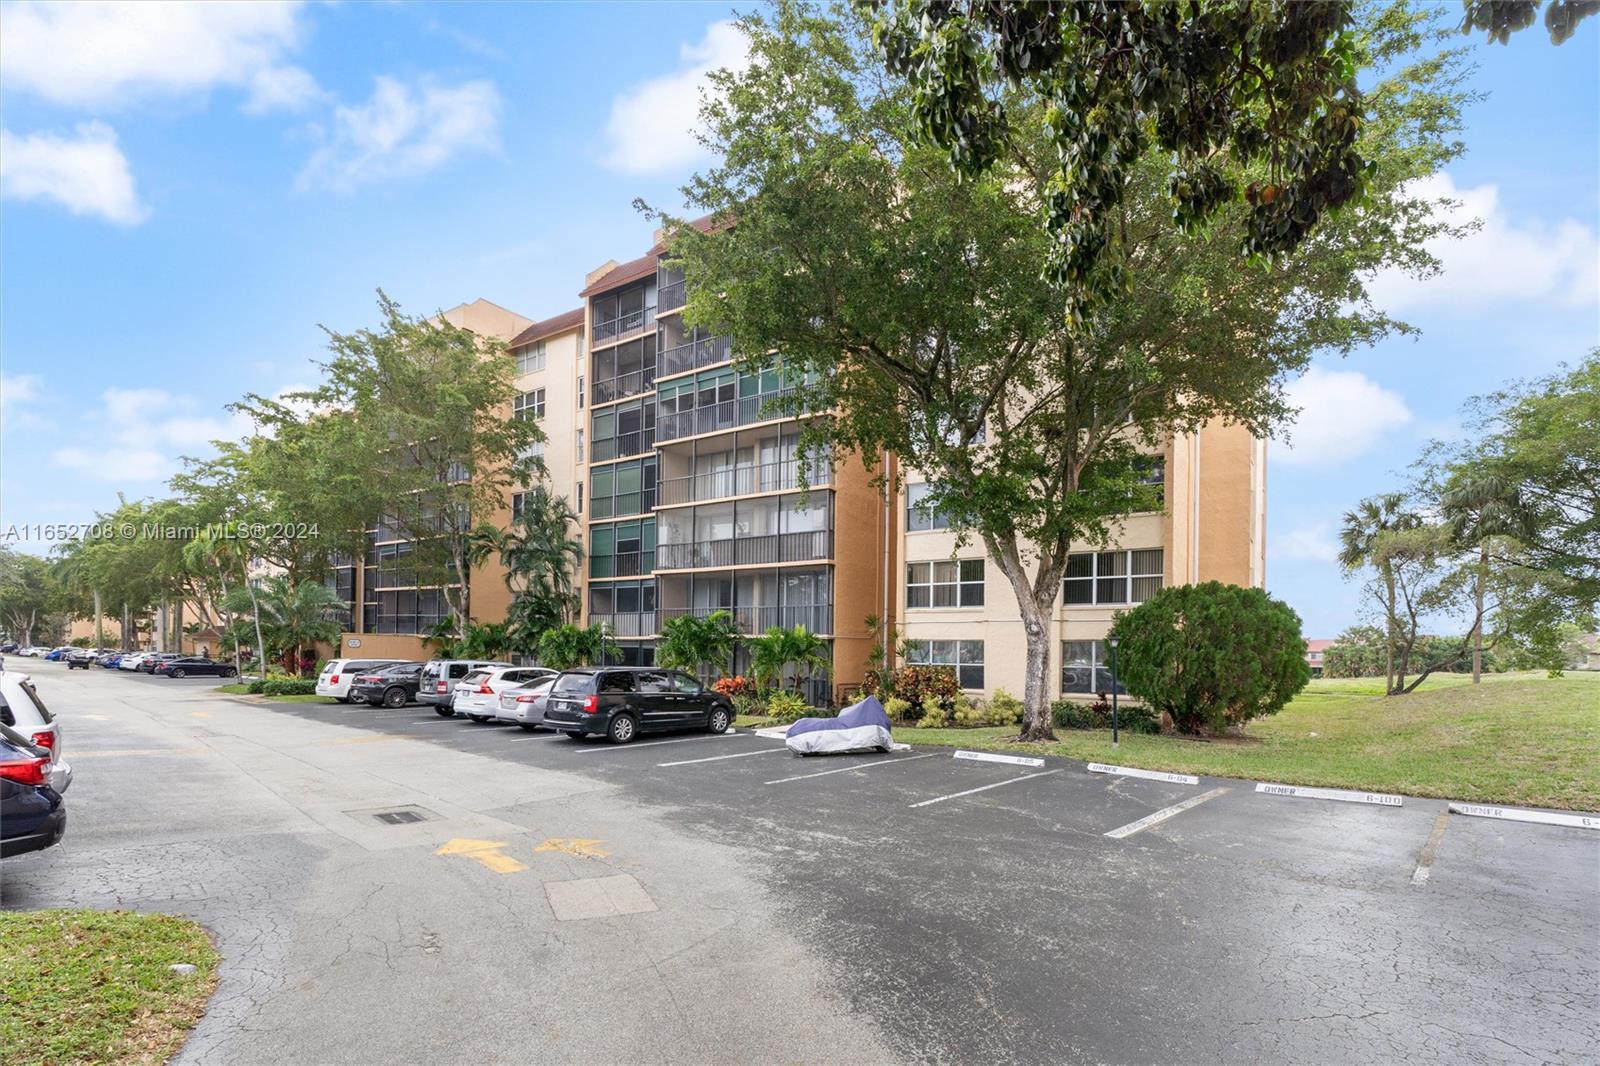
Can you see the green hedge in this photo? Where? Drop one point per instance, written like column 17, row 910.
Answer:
column 1076, row 714
column 294, row 686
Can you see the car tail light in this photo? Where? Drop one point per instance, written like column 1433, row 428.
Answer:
column 484, row 689
column 527, row 699
column 591, row 704
column 44, row 740
column 334, row 680
column 441, row 687
column 27, row 772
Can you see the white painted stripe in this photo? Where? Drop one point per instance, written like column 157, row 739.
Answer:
column 847, row 769
column 654, row 743
column 1581, row 820
column 541, row 736
column 989, row 756
column 1381, row 799
column 718, row 758
column 1148, row 775
column 984, row 788
column 1163, row 814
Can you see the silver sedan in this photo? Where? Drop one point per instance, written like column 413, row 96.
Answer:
column 525, row 704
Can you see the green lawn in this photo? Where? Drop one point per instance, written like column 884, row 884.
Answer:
column 95, row 986
column 1524, row 739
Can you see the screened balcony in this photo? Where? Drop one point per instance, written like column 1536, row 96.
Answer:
column 746, row 551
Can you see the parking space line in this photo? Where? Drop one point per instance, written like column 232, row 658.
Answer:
column 1163, row 814
column 985, row 788
column 542, row 736
column 656, row 743
column 847, row 769
column 1430, row 850
column 718, row 758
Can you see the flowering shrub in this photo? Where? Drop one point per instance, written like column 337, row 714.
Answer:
column 735, row 686
column 915, row 684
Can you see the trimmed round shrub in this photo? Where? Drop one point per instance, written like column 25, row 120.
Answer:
column 294, row 686
column 1078, row 714
column 787, row 707
column 915, row 684
column 1211, row 655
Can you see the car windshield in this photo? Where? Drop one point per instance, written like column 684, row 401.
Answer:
column 568, row 684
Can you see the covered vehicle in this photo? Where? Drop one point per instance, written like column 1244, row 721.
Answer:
column 861, row 726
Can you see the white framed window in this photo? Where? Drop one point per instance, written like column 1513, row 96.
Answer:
column 528, row 405
column 919, row 516
column 966, row 656
column 531, row 358
column 945, row 583
column 535, row 450
column 1131, row 576
column 580, row 390
column 1086, row 667
column 580, row 446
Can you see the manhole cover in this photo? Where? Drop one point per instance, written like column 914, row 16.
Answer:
column 406, row 815
column 398, row 817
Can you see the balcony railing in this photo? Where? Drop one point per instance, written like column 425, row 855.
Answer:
column 756, row 620
column 622, row 564
column 624, row 385
column 631, row 624
column 746, row 551
column 669, row 297
column 739, row 481
column 725, row 415
column 623, row 444
column 621, row 326
column 692, row 355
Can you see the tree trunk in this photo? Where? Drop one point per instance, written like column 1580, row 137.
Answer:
column 1388, row 632
column 99, row 622
column 127, row 623
column 1477, row 628
column 1036, row 722
column 255, row 613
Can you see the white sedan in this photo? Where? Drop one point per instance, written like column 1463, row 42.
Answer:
column 525, row 705
column 478, row 694
column 132, row 661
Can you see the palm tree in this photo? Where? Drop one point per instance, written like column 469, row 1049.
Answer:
column 1478, row 507
column 540, row 554
column 1359, row 540
column 688, row 642
column 772, row 653
column 289, row 615
column 228, row 556
column 570, row 645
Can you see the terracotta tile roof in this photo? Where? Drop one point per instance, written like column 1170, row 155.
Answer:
column 1319, row 645
column 632, row 270
column 561, row 323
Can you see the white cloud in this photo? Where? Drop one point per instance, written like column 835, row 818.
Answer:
column 1505, row 260
column 282, row 89
column 1343, row 414
column 108, row 54
column 139, row 434
column 1314, row 542
column 403, row 130
column 86, row 173
column 18, row 394
column 651, row 128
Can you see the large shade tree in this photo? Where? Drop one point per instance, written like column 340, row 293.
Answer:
column 927, row 307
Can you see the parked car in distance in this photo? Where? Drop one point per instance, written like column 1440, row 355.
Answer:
column 55, row 654
column 111, row 660
column 388, row 686
column 22, row 709
column 132, row 659
column 79, row 659
column 436, row 686
column 619, row 703
column 478, row 694
column 191, row 666
column 33, row 815
column 337, row 674
column 148, row 665
column 525, row 704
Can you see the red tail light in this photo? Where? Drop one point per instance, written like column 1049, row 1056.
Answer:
column 527, row 699
column 334, row 680
column 484, row 689
column 440, row 688
column 29, row 772
column 591, row 704
column 44, row 740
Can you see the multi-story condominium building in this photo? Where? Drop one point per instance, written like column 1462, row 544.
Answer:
column 694, row 496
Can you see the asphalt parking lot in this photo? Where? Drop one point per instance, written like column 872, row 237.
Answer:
column 700, row 898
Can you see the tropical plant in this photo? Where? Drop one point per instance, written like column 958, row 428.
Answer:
column 1479, row 508
column 485, row 640
column 569, row 645
column 444, row 638
column 778, row 649
column 689, row 642
column 933, row 316
column 290, row 616
column 1211, row 655
column 1359, row 536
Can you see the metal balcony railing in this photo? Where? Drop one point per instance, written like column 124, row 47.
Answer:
column 627, row 624
column 624, row 385
column 669, row 297
column 622, row 564
column 622, row 325
column 692, row 355
column 756, row 620
column 623, row 444
column 725, row 415
column 746, row 551
column 739, row 481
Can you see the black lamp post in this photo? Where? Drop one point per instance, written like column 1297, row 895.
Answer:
column 1111, row 642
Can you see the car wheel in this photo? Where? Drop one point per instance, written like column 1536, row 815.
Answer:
column 179, row 673
column 394, row 697
column 228, row 671
column 479, row 718
column 445, row 712
column 717, row 721
column 530, row 727
column 576, row 736
column 622, row 729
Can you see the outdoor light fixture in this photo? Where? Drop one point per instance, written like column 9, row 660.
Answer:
column 1111, row 642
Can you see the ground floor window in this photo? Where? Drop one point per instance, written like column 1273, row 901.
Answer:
column 1086, row 667
column 965, row 655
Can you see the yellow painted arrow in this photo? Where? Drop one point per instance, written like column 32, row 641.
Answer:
column 573, row 846
column 486, row 852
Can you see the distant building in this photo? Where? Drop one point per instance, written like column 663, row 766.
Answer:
column 1314, row 654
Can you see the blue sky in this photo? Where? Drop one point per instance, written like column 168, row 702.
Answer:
column 187, row 193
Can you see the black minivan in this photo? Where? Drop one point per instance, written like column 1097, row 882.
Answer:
column 621, row 702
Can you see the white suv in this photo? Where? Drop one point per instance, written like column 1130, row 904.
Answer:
column 478, row 694
column 23, row 710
